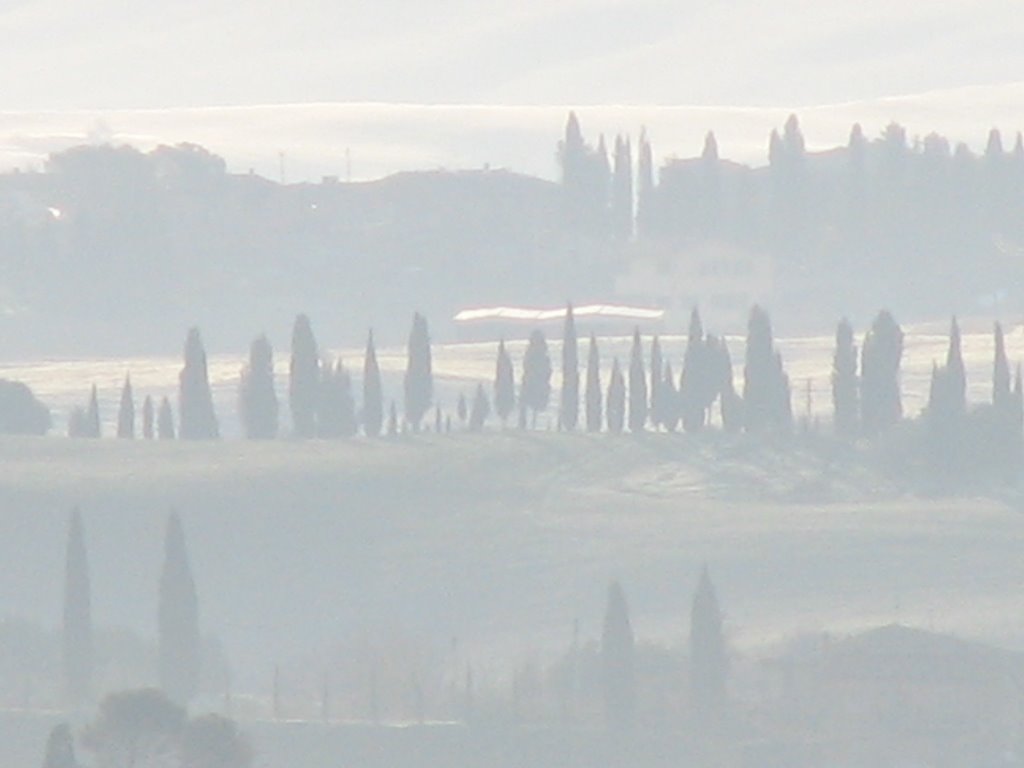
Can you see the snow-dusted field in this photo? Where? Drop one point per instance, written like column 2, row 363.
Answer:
column 63, row 384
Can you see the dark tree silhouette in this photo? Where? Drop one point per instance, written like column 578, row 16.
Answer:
column 956, row 372
column 637, row 386
column 645, row 213
column 570, row 405
column 393, row 420
column 535, row 391
column 148, row 419
column 165, row 421
column 617, row 662
column 622, row 190
column 766, row 394
column 257, row 396
column 698, row 386
column 92, row 416
column 179, row 639
column 657, row 372
column 419, row 375
column 504, row 384
column 616, row 401
column 462, row 409
column 1001, row 393
column 373, row 395
column 304, row 378
column 481, row 410
column 709, row 661
column 77, row 635
column 845, row 387
column 60, row 748
column 126, row 412
column 668, row 399
column 880, row 375
column 336, row 409
column 593, row 391
column 20, row 412
column 195, row 401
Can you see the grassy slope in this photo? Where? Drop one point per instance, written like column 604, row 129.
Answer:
column 500, row 539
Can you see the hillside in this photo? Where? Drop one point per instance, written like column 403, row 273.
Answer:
column 500, row 540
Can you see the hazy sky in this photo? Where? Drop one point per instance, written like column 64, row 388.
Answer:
column 60, row 54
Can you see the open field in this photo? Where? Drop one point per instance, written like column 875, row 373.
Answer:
column 502, row 540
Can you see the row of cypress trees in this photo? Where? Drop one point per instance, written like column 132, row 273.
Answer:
column 178, row 619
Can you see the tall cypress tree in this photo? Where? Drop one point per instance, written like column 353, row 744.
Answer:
column 535, row 391
column 504, row 384
column 570, row 407
column 657, row 372
column 92, row 415
column 257, row 396
column 126, row 411
column 480, row 411
column 617, row 660
column 195, row 401
column 766, row 394
column 709, row 661
column 304, row 378
column 165, row 421
column 697, row 385
column 844, row 382
column 77, row 637
column 373, row 395
column 148, row 418
column 637, row 386
column 881, row 406
column 1000, row 373
column 593, row 392
column 616, row 401
column 668, row 399
column 645, row 187
column 622, row 190
column 336, row 408
column 419, row 373
column 955, row 371
column 179, row 638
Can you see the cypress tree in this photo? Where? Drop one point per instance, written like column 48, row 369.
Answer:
column 257, row 397
column 481, row 410
column 617, row 662
column 373, row 395
column 698, row 386
column 304, row 378
column 1001, row 395
column 77, row 635
column 165, row 421
column 593, row 393
column 126, row 412
column 637, row 386
column 148, row 418
column 504, row 384
column 195, row 401
column 419, row 376
column 462, row 410
column 645, row 187
column 393, row 420
column 336, row 408
column 657, row 372
column 766, row 394
column 616, row 407
column 879, row 375
column 92, row 416
column 179, row 638
column 844, row 382
column 709, row 662
column 535, row 391
column 668, row 399
column 622, row 190
column 60, row 748
column 569, row 413
column 955, row 371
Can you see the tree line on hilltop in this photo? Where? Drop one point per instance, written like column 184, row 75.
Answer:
column 642, row 393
